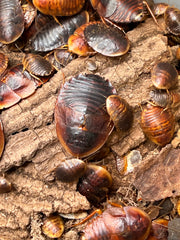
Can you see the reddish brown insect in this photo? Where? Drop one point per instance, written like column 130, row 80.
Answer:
column 70, row 170
column 11, row 21
column 158, row 124
column 172, row 20
column 16, row 85
column 95, row 183
column 121, row 223
column 59, row 7
column 108, row 40
column 122, row 11
column 5, row 185
column 37, row 65
column 53, row 35
column 164, row 75
column 120, row 112
column 82, row 122
column 159, row 230
column 53, row 226
column 165, row 99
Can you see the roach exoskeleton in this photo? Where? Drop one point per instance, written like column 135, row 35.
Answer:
column 120, row 112
column 82, row 122
column 158, row 124
column 70, row 170
column 95, row 183
column 53, row 226
column 121, row 223
column 164, row 75
column 11, row 21
column 59, row 7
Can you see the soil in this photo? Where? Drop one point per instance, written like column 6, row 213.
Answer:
column 32, row 149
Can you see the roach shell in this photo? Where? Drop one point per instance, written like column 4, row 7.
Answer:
column 95, row 183
column 172, row 20
column 37, row 65
column 158, row 124
column 178, row 53
column 11, row 30
column 53, row 226
column 70, row 170
column 5, row 185
column 119, row 223
column 3, row 63
column 164, row 75
column 59, row 7
column 82, row 122
column 1, row 138
column 120, row 11
column 77, row 43
column 109, row 41
column 120, row 112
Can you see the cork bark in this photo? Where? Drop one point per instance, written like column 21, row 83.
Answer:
column 32, row 149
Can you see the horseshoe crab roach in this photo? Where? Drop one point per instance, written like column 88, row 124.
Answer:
column 5, row 185
column 59, row 7
column 54, row 35
column 15, row 85
column 53, row 226
column 11, row 21
column 117, row 222
column 94, row 183
column 165, row 99
column 98, row 37
column 120, row 112
column 158, row 124
column 164, row 75
column 123, row 11
column 82, row 122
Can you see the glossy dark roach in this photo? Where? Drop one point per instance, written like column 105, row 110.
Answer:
column 70, row 170
column 54, row 35
column 5, row 185
column 107, row 40
column 53, row 226
column 172, row 20
column 120, row 112
column 59, row 7
column 158, row 124
column 95, row 183
column 15, row 85
column 37, row 65
column 11, row 21
column 1, row 138
column 122, row 11
column 164, row 75
column 77, row 43
column 120, row 223
column 82, row 122
column 165, row 99
column 3, row 63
